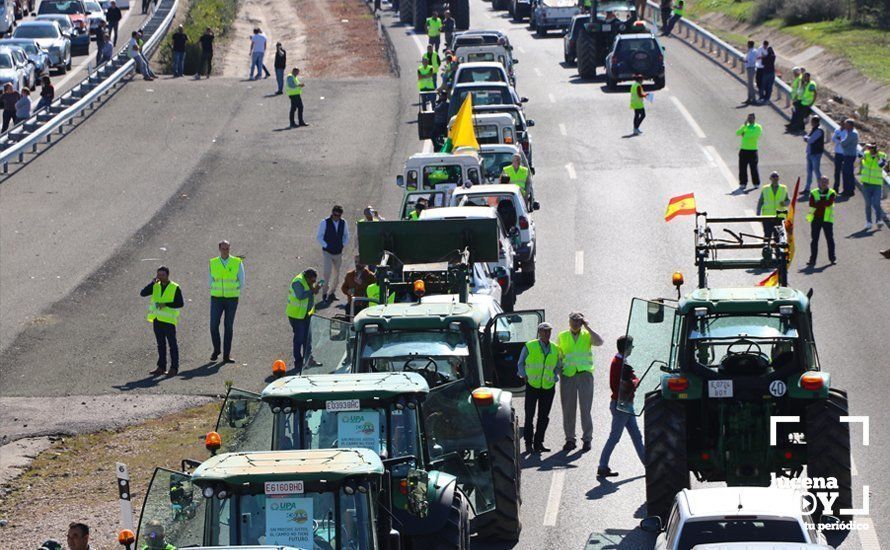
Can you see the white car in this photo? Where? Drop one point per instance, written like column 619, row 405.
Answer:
column 95, row 14
column 482, row 71
column 507, row 201
column 496, row 157
column 723, row 515
column 10, row 71
column 506, row 263
column 50, row 37
column 7, row 16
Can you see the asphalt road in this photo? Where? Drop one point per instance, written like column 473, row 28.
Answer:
column 168, row 168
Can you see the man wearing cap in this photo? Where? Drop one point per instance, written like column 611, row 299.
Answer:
column 773, row 201
column 539, row 365
column 576, row 384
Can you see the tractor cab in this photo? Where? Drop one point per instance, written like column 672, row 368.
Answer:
column 606, row 21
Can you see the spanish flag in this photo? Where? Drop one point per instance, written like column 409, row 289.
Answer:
column 772, row 280
column 789, row 222
column 462, row 133
column 684, row 205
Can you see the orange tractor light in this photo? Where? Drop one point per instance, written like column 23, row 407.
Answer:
column 419, row 288
column 677, row 279
column 126, row 537
column 212, row 442
column 811, row 381
column 483, row 396
column 279, row 367
column 678, row 384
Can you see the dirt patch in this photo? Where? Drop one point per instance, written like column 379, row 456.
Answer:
column 325, row 38
column 74, row 479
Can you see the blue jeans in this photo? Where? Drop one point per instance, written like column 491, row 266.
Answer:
column 670, row 26
column 838, row 170
column 218, row 307
column 622, row 421
column 178, row 63
column 813, row 166
column 256, row 62
column 849, row 177
column 872, row 196
column 766, row 86
column 302, row 341
column 279, row 76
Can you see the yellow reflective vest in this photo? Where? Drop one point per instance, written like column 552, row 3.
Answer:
column 224, row 281
column 297, row 308
column 540, row 369
column 373, row 292
column 425, row 78
column 828, row 215
column 872, row 172
column 518, row 177
column 772, row 201
column 578, row 353
column 157, row 308
column 292, row 85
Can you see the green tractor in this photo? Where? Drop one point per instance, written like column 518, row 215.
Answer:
column 734, row 360
column 386, row 413
column 595, row 37
column 328, row 499
column 415, row 12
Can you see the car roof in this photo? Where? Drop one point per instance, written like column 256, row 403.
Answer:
column 40, row 21
column 423, row 315
column 741, row 501
column 481, row 65
column 488, row 117
column 757, row 299
column 303, row 465
column 466, row 85
column 324, row 387
column 52, row 17
column 484, row 300
column 499, row 188
column 499, row 148
column 446, row 212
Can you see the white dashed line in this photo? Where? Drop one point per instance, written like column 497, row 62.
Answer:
column 570, row 168
column 552, row 510
column 692, row 123
column 853, row 470
column 537, row 71
column 521, row 49
column 420, row 45
column 552, row 98
column 579, row 262
column 724, row 169
column 562, row 129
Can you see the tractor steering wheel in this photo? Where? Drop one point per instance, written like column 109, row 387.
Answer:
column 753, row 347
column 432, row 375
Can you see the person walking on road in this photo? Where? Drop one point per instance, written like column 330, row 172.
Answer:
column 768, row 80
column 750, row 133
column 180, row 39
column 540, row 363
column 871, row 175
column 333, row 236
column 300, row 309
column 106, row 50
column 576, row 383
column 434, row 30
column 206, row 42
column 678, row 12
column 294, row 90
column 821, row 218
column 226, row 284
column 622, row 380
column 163, row 314
column 113, row 17
column 10, row 99
column 637, row 96
column 751, row 73
column 448, row 26
column 850, row 145
column 257, row 52
column 837, row 138
column 280, row 65
column 815, row 147
column 773, row 201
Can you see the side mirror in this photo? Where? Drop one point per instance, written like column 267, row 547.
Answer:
column 502, row 336
column 400, row 180
column 536, row 205
column 665, row 368
column 523, row 100
column 655, row 312
column 530, row 122
column 652, row 524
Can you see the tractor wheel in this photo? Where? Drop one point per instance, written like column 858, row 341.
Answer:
column 503, row 523
column 460, row 9
column 828, row 447
column 666, row 470
column 586, row 53
column 420, row 14
column 455, row 534
column 406, row 12
column 517, row 17
column 659, row 83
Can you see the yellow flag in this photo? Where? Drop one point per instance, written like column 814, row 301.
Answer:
column 463, row 134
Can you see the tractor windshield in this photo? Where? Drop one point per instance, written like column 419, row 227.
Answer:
column 439, row 356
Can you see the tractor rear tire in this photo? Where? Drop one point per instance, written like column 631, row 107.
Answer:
column 460, row 9
column 828, row 448
column 666, row 466
column 406, row 12
column 420, row 14
column 455, row 534
column 586, row 54
column 503, row 523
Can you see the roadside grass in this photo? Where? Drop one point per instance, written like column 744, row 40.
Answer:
column 75, row 479
column 216, row 14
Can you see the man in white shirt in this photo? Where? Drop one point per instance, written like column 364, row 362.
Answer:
column 758, row 69
column 333, row 236
column 751, row 71
column 135, row 52
column 837, row 138
column 257, row 52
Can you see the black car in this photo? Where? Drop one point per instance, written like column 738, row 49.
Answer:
column 634, row 54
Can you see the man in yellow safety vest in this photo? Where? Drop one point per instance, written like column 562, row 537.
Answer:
column 539, row 365
column 773, row 201
column 434, row 29
column 294, row 90
column 576, row 384
column 426, row 84
column 226, row 283
column 517, row 173
column 163, row 314
column 805, row 96
column 871, row 175
column 300, row 308
column 821, row 218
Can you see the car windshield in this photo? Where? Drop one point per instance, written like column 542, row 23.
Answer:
column 93, row 6
column 67, row 7
column 485, row 96
column 748, row 530
column 644, row 45
column 5, row 61
column 36, row 31
column 486, row 74
column 494, row 163
column 440, row 356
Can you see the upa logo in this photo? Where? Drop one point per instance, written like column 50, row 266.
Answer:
column 367, row 428
column 299, row 516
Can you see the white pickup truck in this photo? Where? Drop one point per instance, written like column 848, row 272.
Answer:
column 552, row 15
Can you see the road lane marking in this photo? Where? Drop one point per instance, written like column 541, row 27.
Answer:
column 724, row 169
column 853, row 470
column 692, row 123
column 537, row 71
column 570, row 168
column 552, row 99
column 552, row 510
column 521, row 49
column 562, row 129
column 417, row 41
column 579, row 262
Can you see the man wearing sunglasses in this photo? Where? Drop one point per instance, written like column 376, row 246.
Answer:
column 333, row 236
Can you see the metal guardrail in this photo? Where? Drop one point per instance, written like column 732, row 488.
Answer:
column 720, row 49
column 40, row 126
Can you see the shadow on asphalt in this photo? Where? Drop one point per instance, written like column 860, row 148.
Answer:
column 862, row 233
column 620, row 539
column 607, row 487
column 150, row 381
column 548, row 462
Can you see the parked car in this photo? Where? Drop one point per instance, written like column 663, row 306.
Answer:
column 38, row 56
column 480, row 36
column 95, row 14
column 28, row 70
column 50, row 37
column 7, row 16
column 550, row 15
column 77, row 13
column 487, row 71
column 484, row 93
column 80, row 42
column 10, row 71
column 632, row 54
column 570, row 38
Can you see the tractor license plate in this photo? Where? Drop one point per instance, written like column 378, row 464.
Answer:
column 340, row 405
column 720, row 388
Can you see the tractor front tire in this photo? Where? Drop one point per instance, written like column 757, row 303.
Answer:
column 828, row 448
column 455, row 534
column 503, row 523
column 586, row 54
column 666, row 467
column 460, row 9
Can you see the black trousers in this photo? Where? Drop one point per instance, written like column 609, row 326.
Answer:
column 758, row 78
column 165, row 334
column 112, row 29
column 8, row 117
column 542, row 400
column 218, row 308
column 206, row 58
column 748, row 159
column 665, row 17
column 145, row 4
column 296, row 106
column 769, row 228
column 639, row 115
column 817, row 226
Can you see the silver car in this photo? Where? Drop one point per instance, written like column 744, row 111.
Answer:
column 7, row 16
column 95, row 14
column 21, row 59
column 10, row 71
column 49, row 36
column 38, row 56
